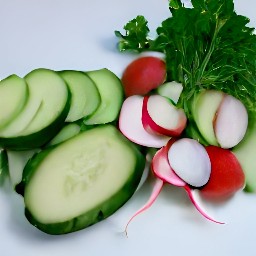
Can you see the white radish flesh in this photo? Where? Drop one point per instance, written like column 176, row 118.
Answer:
column 130, row 124
column 161, row 116
column 190, row 161
column 231, row 122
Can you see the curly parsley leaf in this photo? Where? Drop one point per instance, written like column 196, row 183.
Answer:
column 136, row 35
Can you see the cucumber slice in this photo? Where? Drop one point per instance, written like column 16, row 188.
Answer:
column 85, row 97
column 245, row 152
column 43, row 115
column 13, row 95
column 67, row 132
column 111, row 93
column 4, row 166
column 81, row 181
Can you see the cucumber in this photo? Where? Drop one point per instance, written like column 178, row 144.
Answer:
column 13, row 95
column 245, row 152
column 85, row 97
column 111, row 93
column 80, row 181
column 67, row 132
column 43, row 115
column 4, row 166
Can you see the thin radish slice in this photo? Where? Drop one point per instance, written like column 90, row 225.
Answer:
column 162, row 169
column 193, row 196
column 130, row 124
column 190, row 161
column 158, row 185
column 231, row 123
column 160, row 116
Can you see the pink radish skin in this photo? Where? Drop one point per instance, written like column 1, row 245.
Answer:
column 130, row 124
column 158, row 185
column 190, row 161
column 162, row 169
column 159, row 116
column 231, row 122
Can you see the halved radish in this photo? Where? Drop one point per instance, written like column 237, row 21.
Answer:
column 190, row 161
column 130, row 124
column 231, row 122
column 160, row 116
column 164, row 174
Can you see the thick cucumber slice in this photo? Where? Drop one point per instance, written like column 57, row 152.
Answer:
column 85, row 97
column 13, row 96
column 245, row 152
column 43, row 115
column 67, row 132
column 80, row 181
column 111, row 93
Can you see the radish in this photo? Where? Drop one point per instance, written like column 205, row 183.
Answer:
column 160, row 116
column 231, row 122
column 143, row 74
column 227, row 176
column 221, row 118
column 190, row 161
column 130, row 124
column 164, row 174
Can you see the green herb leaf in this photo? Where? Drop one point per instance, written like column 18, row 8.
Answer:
column 208, row 46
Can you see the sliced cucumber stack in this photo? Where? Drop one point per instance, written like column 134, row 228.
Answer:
column 43, row 115
column 80, row 181
column 85, row 95
column 111, row 93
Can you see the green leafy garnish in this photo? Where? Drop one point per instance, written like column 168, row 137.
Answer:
column 208, row 46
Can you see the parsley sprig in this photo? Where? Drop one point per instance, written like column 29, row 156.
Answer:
column 208, row 46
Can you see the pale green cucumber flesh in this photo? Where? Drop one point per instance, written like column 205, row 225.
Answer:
column 67, row 132
column 13, row 95
column 245, row 152
column 204, row 112
column 80, row 181
column 111, row 93
column 43, row 115
column 85, row 97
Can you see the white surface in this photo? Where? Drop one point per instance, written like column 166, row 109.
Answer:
column 78, row 34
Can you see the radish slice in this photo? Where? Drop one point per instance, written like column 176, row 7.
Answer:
column 160, row 116
column 190, row 161
column 162, row 169
column 192, row 193
column 130, row 124
column 231, row 122
column 158, row 185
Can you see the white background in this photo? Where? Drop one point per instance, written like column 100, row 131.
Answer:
column 79, row 34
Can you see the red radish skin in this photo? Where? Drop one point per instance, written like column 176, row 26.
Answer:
column 151, row 126
column 227, row 176
column 143, row 75
column 130, row 124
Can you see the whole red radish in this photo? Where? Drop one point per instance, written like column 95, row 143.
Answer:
column 143, row 74
column 227, row 176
